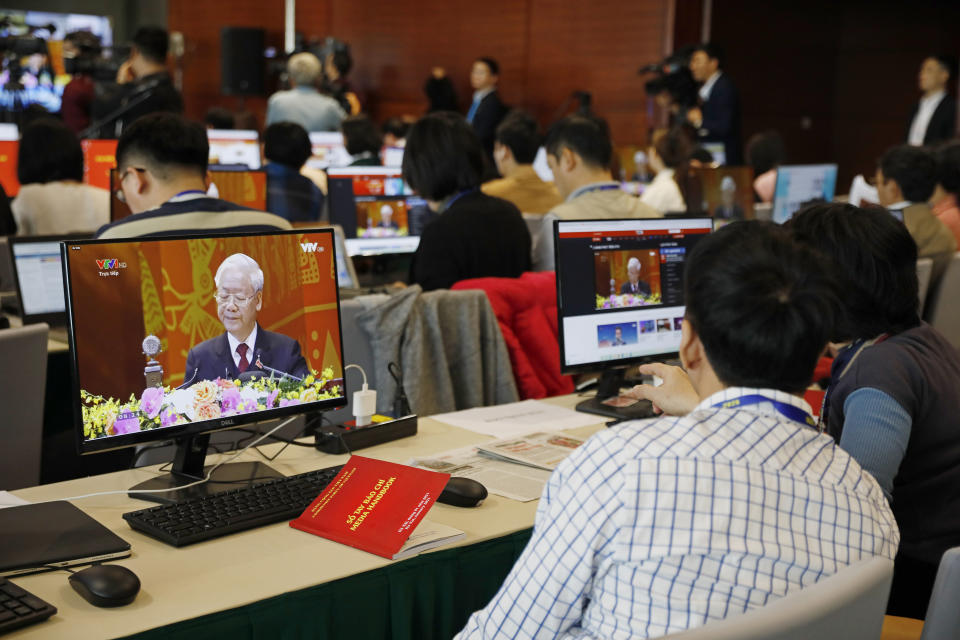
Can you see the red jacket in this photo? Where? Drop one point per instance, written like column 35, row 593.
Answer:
column 526, row 309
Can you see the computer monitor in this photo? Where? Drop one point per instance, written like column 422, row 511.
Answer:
column 620, row 299
column 247, row 188
column 392, row 157
column 9, row 150
column 374, row 202
column 150, row 346
column 237, row 148
column 99, row 157
column 800, row 185
column 346, row 273
column 718, row 151
column 541, row 167
column 726, row 193
column 38, row 275
column 328, row 150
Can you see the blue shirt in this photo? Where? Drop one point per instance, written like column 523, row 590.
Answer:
column 291, row 195
column 307, row 107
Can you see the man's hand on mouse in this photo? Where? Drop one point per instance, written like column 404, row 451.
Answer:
column 675, row 396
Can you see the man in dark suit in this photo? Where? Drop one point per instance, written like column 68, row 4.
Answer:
column 634, row 284
column 486, row 109
column 717, row 119
column 245, row 346
column 934, row 118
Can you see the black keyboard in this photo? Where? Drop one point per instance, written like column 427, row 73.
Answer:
column 18, row 608
column 233, row 510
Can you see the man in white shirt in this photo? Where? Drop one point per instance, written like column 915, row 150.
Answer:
column 717, row 119
column 934, row 118
column 653, row 527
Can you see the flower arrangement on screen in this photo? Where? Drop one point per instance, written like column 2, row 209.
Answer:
column 614, row 301
column 204, row 400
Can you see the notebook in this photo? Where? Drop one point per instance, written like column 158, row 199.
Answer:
column 53, row 533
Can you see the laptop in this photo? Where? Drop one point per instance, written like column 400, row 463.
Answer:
column 53, row 534
column 39, row 281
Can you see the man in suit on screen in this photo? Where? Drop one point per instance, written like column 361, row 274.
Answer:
column 244, row 346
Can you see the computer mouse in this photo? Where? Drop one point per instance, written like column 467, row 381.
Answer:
column 463, row 492
column 106, row 585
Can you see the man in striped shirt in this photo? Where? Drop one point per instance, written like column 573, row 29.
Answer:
column 653, row 527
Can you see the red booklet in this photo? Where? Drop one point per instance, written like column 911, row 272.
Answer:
column 373, row 505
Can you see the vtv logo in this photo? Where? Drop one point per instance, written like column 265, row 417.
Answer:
column 310, row 247
column 107, row 263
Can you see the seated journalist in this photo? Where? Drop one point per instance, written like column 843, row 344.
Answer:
column 245, row 345
column 290, row 195
column 894, row 394
column 652, row 527
column 162, row 176
column 514, row 150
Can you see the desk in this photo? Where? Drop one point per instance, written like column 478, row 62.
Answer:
column 276, row 581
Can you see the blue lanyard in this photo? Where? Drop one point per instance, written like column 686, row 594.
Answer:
column 457, row 197
column 188, row 191
column 789, row 411
column 597, row 187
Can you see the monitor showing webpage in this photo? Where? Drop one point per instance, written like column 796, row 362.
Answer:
column 327, row 150
column 166, row 356
column 374, row 202
column 39, row 277
column 800, row 185
column 620, row 288
column 234, row 148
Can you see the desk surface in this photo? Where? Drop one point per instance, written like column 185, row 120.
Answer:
column 221, row 574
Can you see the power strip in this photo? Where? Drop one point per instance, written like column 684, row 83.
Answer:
column 346, row 437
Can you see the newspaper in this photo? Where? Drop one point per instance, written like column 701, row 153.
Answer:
column 506, row 479
column 539, row 450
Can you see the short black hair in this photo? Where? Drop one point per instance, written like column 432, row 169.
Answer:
column 947, row 157
column 220, row 118
column 713, row 51
column 947, row 62
column 342, row 60
column 443, row 156
column 491, row 64
column 287, row 143
column 914, row 169
column 875, row 259
column 361, row 135
column 766, row 151
column 163, row 141
column 520, row 133
column 49, row 151
column 762, row 304
column 587, row 136
column 152, row 43
column 396, row 126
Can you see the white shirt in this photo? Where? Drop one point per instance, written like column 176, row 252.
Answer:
column 708, row 86
column 57, row 208
column 663, row 193
column 251, row 341
column 918, row 128
column 656, row 526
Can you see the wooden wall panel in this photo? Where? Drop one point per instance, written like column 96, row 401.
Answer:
column 546, row 49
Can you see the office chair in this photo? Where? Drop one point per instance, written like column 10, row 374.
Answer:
column 943, row 615
column 924, row 271
column 848, row 605
column 943, row 304
column 23, row 383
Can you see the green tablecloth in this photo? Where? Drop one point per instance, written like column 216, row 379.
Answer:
column 423, row 598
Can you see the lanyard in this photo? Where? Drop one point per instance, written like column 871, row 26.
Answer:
column 596, row 187
column 789, row 411
column 457, row 197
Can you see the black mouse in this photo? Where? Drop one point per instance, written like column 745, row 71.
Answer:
column 463, row 492
column 106, row 585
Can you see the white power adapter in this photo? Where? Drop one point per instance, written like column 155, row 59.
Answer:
column 364, row 401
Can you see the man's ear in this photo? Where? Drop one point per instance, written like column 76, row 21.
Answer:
column 259, row 300
column 692, row 355
column 141, row 181
column 568, row 160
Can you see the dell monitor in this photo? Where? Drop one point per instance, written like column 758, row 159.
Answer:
column 620, row 299
column 800, row 185
column 157, row 326
column 375, row 202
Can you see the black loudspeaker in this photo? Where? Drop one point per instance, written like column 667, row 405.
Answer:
column 242, row 65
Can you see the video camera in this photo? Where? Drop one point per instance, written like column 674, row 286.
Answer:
column 673, row 76
column 88, row 57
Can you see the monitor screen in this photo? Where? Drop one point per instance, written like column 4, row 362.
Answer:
column 39, row 278
column 328, row 150
column 247, row 188
column 541, row 167
column 9, row 149
column 99, row 157
column 164, row 301
column 392, row 157
column 726, row 193
column 620, row 288
column 374, row 202
column 800, row 185
column 234, row 148
column 718, row 151
column 381, row 246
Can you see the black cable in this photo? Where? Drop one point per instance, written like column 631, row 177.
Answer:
column 277, row 438
column 150, row 447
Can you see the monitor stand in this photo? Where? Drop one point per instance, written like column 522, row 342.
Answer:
column 188, row 467
column 611, row 381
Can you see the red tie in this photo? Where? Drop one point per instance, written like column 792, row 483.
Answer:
column 242, row 350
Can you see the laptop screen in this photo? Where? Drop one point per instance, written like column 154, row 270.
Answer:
column 39, row 279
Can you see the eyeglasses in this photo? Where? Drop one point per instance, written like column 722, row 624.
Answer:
column 225, row 298
column 119, row 191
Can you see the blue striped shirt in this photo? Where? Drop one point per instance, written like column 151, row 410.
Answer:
column 653, row 527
